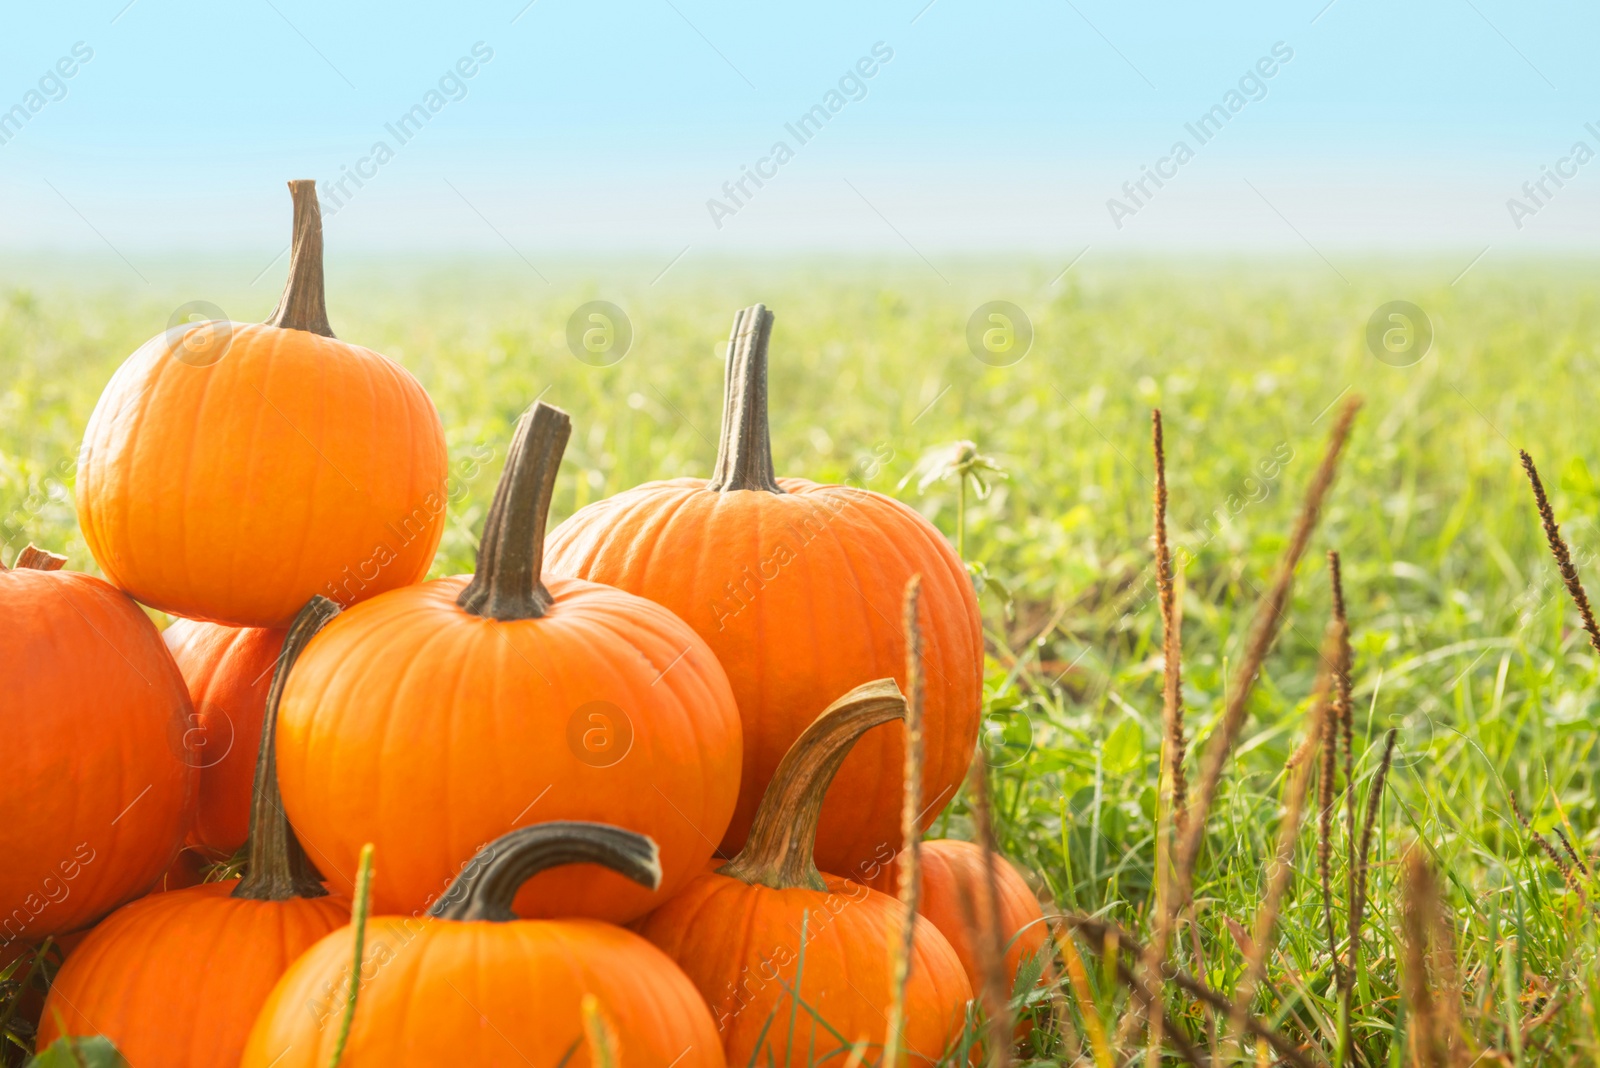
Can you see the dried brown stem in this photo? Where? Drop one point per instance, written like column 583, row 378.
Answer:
column 1173, row 741
column 983, row 918
column 1558, row 549
column 1358, row 905
column 1269, row 617
column 744, row 455
column 1171, row 635
column 1325, row 804
column 303, row 305
column 1264, row 628
column 779, row 850
column 33, row 558
column 508, row 584
column 910, row 829
column 1105, row 932
column 1426, row 1028
column 278, row 867
column 1566, row 844
column 1344, row 713
column 1567, row 874
column 1288, row 834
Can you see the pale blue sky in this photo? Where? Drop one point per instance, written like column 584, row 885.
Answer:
column 607, row 126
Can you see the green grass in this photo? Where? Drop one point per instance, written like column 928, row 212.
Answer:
column 1464, row 640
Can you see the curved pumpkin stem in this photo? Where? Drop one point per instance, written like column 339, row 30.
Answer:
column 744, row 456
column 278, row 867
column 783, row 837
column 507, row 584
column 33, row 558
column 489, row 883
column 304, row 305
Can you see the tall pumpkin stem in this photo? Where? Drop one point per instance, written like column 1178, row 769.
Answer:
column 489, row 883
column 278, row 867
column 507, row 584
column 783, row 837
column 744, row 456
column 304, row 305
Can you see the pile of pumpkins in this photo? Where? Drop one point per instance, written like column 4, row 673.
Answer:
column 601, row 777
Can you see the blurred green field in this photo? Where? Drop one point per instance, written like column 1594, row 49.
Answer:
column 1463, row 636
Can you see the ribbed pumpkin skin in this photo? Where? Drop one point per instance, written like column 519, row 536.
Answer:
column 739, row 944
column 228, row 671
column 232, row 492
column 821, row 573
column 176, row 980
column 947, row 866
column 97, row 792
column 429, row 732
column 495, row 995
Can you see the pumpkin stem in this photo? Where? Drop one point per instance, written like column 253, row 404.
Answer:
column 489, row 883
column 303, row 305
column 744, row 456
column 783, row 836
column 507, row 584
column 278, row 868
column 33, row 558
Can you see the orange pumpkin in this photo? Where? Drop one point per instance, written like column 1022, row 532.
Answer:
column 228, row 671
column 230, row 471
column 469, row 983
column 178, row 978
column 737, row 931
column 796, row 586
column 953, row 870
column 97, row 791
column 432, row 719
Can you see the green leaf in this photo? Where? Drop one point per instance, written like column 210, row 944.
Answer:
column 68, row 1052
column 1124, row 748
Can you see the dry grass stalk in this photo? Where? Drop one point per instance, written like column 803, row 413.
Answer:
column 1568, row 876
column 1173, row 745
column 1263, row 632
column 1325, row 803
column 983, row 919
column 1288, row 834
column 1558, row 549
column 1104, row 931
column 1263, row 629
column 1344, row 714
column 910, row 830
column 1566, row 844
column 1171, row 636
column 1429, row 982
column 1079, row 977
column 1358, row 903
